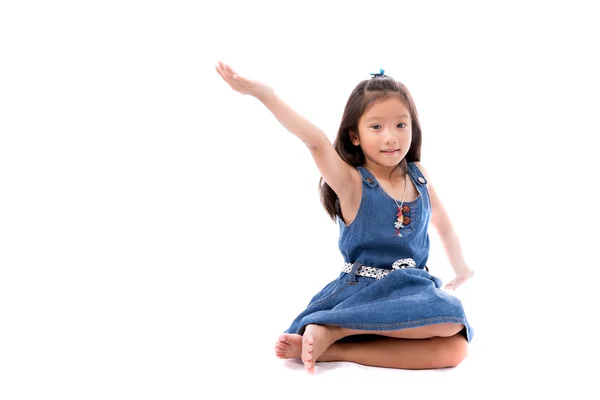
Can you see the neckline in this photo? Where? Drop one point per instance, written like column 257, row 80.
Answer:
column 388, row 195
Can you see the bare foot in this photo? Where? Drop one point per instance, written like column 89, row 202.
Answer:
column 288, row 346
column 317, row 339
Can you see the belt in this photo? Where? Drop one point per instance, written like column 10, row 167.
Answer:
column 378, row 273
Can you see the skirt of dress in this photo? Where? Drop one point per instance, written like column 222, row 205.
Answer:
column 405, row 298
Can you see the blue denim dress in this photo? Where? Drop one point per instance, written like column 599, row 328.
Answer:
column 404, row 298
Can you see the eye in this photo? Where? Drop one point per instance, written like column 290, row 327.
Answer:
column 376, row 127
column 402, row 124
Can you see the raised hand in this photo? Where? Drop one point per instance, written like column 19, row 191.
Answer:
column 241, row 84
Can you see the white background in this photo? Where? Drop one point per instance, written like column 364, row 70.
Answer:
column 158, row 231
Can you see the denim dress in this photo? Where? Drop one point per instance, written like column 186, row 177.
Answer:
column 405, row 297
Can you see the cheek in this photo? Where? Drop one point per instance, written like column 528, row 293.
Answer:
column 371, row 142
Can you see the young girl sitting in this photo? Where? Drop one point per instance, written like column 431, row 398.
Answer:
column 384, row 309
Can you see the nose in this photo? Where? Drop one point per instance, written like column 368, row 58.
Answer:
column 389, row 137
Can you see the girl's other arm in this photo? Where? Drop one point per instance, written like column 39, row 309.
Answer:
column 333, row 169
column 448, row 236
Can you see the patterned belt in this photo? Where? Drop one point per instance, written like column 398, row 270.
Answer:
column 378, row 273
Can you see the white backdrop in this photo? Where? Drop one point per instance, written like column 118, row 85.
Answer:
column 158, row 231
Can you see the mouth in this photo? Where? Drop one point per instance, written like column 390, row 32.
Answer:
column 391, row 151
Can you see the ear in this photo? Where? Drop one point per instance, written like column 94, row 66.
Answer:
column 354, row 138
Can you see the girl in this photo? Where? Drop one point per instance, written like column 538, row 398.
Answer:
column 385, row 309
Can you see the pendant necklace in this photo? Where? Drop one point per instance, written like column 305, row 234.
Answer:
column 399, row 222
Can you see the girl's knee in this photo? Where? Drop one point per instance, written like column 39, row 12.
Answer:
column 453, row 351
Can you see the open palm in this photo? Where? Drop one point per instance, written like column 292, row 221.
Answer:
column 241, row 84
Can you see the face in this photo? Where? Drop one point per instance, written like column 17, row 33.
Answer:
column 384, row 133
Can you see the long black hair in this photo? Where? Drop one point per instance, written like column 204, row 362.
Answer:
column 364, row 94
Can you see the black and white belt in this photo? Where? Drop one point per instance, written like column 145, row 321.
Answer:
column 378, row 273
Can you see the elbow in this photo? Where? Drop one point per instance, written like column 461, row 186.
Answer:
column 317, row 144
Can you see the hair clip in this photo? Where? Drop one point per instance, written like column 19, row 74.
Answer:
column 376, row 74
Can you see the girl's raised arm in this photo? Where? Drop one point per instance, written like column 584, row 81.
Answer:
column 333, row 169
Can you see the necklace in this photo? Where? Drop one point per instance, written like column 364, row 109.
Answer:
column 400, row 216
column 399, row 222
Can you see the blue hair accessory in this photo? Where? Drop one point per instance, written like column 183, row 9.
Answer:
column 376, row 74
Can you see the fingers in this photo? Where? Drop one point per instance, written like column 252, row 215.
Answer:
column 230, row 70
column 220, row 67
column 227, row 73
column 225, row 70
column 455, row 283
column 451, row 285
column 220, row 71
column 238, row 83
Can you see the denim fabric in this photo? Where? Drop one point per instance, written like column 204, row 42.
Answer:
column 405, row 298
column 371, row 238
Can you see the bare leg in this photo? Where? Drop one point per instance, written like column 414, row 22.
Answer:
column 318, row 343
column 437, row 352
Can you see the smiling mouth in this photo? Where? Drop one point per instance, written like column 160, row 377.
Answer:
column 390, row 151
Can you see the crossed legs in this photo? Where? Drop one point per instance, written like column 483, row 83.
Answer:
column 426, row 347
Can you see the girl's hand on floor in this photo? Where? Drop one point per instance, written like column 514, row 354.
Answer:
column 459, row 280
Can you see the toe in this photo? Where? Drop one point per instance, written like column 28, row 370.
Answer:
column 309, row 340
column 285, row 338
column 282, row 346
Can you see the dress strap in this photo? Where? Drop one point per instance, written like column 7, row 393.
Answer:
column 367, row 177
column 416, row 174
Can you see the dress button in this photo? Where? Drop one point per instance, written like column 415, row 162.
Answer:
column 406, row 220
column 405, row 209
column 421, row 179
column 369, row 180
